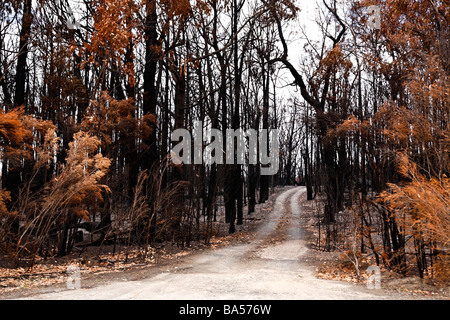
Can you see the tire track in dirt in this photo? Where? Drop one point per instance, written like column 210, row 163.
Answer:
column 274, row 230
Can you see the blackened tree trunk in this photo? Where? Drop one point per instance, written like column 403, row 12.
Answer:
column 237, row 181
column 150, row 89
column 148, row 160
column 264, row 184
column 12, row 178
column 131, row 147
column 21, row 69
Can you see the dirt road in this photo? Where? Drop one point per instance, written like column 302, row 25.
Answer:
column 262, row 269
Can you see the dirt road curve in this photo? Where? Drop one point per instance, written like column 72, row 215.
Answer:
column 258, row 270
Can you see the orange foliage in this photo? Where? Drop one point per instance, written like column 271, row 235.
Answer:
column 412, row 126
column 5, row 197
column 82, row 173
column 114, row 24
column 109, row 115
column 334, row 61
column 424, row 201
column 181, row 8
column 12, row 130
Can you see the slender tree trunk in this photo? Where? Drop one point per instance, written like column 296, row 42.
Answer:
column 150, row 90
column 21, row 69
column 149, row 159
column 264, row 185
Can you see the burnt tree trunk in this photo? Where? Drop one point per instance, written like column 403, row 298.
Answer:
column 21, row 69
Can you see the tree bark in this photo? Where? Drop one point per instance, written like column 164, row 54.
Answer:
column 21, row 69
